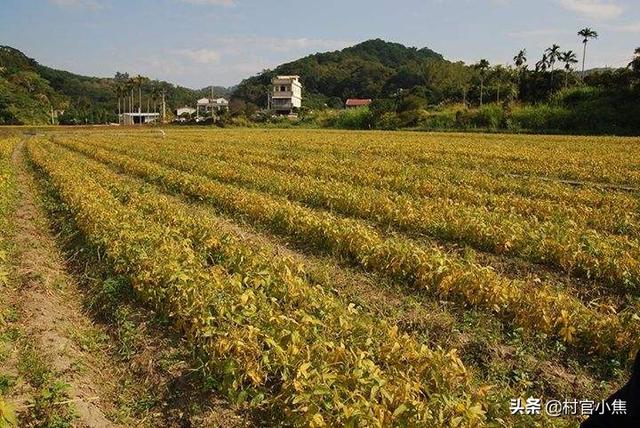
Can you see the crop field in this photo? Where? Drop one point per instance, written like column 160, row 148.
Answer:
column 336, row 278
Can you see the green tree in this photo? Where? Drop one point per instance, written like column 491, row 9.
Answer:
column 482, row 67
column 237, row 107
column 635, row 63
column 121, row 90
column 543, row 64
column 520, row 60
column 128, row 87
column 553, row 54
column 500, row 78
column 569, row 58
column 156, row 95
column 138, row 82
column 586, row 34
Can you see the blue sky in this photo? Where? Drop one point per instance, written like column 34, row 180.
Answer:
column 197, row 43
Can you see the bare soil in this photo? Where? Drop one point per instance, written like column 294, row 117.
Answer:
column 46, row 301
column 124, row 369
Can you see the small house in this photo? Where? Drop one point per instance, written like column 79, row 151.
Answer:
column 357, row 102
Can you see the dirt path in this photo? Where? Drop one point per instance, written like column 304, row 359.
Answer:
column 49, row 309
column 122, row 365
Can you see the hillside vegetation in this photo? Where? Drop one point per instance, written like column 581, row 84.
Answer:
column 411, row 88
column 419, row 89
column 372, row 69
column 33, row 94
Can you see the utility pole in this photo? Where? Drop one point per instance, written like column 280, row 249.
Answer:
column 140, row 103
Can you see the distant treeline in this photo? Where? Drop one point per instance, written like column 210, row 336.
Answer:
column 418, row 89
column 33, row 94
column 411, row 88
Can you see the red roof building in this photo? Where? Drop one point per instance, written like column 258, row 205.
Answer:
column 357, row 102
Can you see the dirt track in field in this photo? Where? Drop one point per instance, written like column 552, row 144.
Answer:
column 49, row 310
column 50, row 292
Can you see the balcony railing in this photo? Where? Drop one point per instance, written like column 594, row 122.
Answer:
column 283, row 82
column 282, row 94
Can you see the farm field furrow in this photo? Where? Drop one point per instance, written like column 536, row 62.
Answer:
column 388, row 169
column 607, row 211
column 606, row 160
column 266, row 333
column 426, row 319
column 574, row 250
column 542, row 309
column 336, row 278
column 198, row 225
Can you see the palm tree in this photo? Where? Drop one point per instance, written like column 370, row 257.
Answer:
column 520, row 60
column 482, row 67
column 120, row 91
column 542, row 64
column 635, row 62
column 553, row 54
column 499, row 77
column 586, row 34
column 128, row 89
column 156, row 92
column 569, row 58
column 139, row 81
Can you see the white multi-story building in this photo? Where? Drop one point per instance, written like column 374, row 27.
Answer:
column 210, row 106
column 285, row 94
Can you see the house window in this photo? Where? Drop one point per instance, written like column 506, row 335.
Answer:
column 283, row 88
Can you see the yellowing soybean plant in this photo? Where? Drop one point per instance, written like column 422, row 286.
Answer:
column 325, row 278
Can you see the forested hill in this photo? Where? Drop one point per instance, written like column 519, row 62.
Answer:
column 30, row 91
column 372, row 69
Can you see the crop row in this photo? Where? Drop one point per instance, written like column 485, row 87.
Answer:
column 609, row 212
column 7, row 198
column 537, row 310
column 595, row 159
column 266, row 334
column 576, row 251
column 600, row 159
column 197, row 222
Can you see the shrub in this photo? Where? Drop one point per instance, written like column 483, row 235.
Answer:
column 356, row 118
column 490, row 116
column 441, row 120
column 540, row 117
column 388, row 121
column 412, row 118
